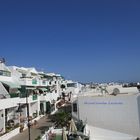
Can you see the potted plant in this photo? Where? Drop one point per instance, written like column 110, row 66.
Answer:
column 21, row 128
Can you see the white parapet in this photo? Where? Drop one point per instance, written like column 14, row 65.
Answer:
column 10, row 134
column 103, row 134
column 8, row 103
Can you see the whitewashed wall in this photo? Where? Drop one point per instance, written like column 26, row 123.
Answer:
column 33, row 108
column 118, row 113
column 9, row 102
column 1, row 121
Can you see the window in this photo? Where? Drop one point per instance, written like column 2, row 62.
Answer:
column 34, row 81
column 44, row 82
column 71, row 85
column 1, row 73
column 23, row 75
column 74, row 107
column 5, row 73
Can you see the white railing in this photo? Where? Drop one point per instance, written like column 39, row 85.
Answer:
column 9, row 102
column 49, row 97
column 28, row 82
column 9, row 135
column 55, row 131
column 30, row 99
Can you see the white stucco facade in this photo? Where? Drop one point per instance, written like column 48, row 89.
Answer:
column 118, row 113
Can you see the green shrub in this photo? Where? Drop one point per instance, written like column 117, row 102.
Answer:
column 38, row 138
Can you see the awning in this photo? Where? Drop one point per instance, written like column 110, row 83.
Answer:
column 3, row 91
column 11, row 84
column 43, row 89
column 73, row 127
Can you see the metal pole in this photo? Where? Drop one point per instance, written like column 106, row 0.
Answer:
column 29, row 132
column 19, row 110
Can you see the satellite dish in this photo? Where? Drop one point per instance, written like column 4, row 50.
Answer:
column 116, row 91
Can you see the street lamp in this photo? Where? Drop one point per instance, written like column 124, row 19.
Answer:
column 28, row 119
column 19, row 110
column 25, row 95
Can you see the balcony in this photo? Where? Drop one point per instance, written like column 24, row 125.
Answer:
column 29, row 81
column 30, row 98
column 42, row 83
column 9, row 102
column 14, row 95
column 48, row 97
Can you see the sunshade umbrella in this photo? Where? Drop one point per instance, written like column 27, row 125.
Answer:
column 64, row 134
column 72, row 126
column 79, row 138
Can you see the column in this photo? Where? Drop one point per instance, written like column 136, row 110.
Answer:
column 3, row 120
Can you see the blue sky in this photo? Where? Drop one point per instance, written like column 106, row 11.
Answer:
column 97, row 40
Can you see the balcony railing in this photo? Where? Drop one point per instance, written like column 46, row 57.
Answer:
column 14, row 95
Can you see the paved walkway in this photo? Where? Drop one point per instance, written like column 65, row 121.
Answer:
column 43, row 124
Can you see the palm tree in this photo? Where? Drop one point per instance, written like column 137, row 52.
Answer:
column 62, row 119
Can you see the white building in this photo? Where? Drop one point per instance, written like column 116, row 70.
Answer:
column 119, row 112
column 19, row 85
column 73, row 87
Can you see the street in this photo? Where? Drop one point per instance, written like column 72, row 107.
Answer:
column 43, row 124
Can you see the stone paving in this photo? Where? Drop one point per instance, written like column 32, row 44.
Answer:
column 43, row 124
